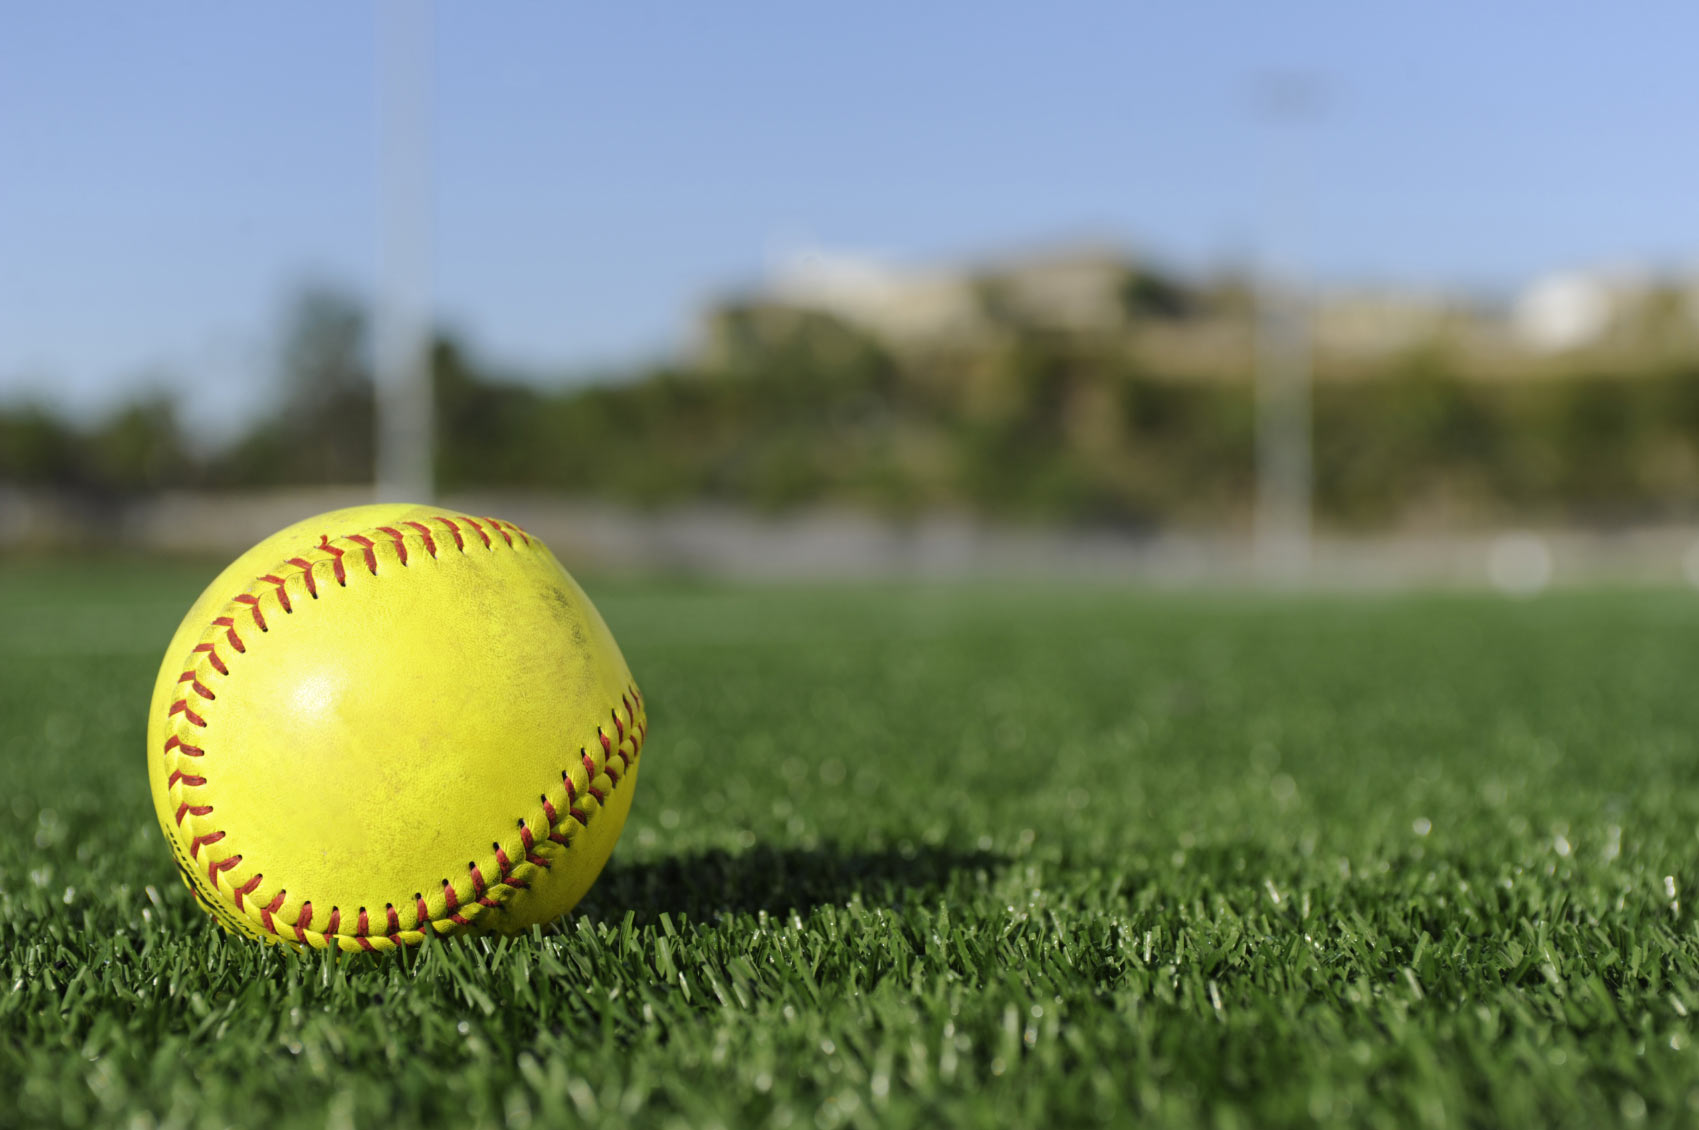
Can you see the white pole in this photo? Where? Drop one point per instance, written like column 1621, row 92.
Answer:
column 402, row 334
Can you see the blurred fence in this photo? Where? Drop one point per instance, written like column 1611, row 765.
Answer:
column 826, row 544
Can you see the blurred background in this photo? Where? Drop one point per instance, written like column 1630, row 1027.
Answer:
column 1314, row 294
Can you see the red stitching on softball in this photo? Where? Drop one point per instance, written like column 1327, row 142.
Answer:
column 229, row 627
column 400, row 543
column 421, row 913
column 502, row 864
column 246, row 889
column 272, row 908
column 424, row 532
column 196, row 844
column 573, row 811
column 303, row 920
column 362, row 924
column 592, row 771
column 214, row 867
column 306, row 568
column 189, row 780
column 211, row 653
column 282, row 593
column 333, row 922
column 182, row 707
column 495, row 524
column 336, row 565
column 392, row 918
column 192, row 810
column 459, row 542
column 477, row 878
column 609, row 751
column 365, row 545
column 175, row 743
column 195, row 685
column 451, row 899
column 253, row 603
column 482, row 536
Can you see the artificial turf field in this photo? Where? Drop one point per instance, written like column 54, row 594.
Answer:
column 1013, row 856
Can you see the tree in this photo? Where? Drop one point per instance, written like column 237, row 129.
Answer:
column 140, row 446
column 322, row 432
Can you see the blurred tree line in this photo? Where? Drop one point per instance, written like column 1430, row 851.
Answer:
column 1042, row 426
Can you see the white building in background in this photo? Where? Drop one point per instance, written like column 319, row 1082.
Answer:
column 1565, row 311
column 1093, row 289
column 1076, row 289
column 901, row 305
column 1635, row 306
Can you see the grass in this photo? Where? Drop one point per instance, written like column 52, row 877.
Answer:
column 935, row 857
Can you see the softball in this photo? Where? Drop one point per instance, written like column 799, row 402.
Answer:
column 391, row 721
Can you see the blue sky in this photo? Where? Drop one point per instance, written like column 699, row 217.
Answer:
column 171, row 173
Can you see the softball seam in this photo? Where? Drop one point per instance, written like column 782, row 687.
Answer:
column 185, row 720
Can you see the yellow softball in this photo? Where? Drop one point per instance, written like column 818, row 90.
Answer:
column 388, row 721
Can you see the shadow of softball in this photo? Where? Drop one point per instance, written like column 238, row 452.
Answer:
column 705, row 885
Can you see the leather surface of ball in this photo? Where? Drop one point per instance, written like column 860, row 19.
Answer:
column 391, row 721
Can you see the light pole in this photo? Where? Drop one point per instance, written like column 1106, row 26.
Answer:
column 402, row 334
